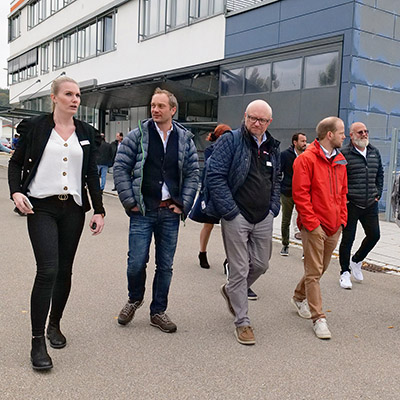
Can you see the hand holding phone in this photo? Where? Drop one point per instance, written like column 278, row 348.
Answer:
column 28, row 203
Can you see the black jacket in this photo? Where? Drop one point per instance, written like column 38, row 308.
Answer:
column 364, row 175
column 105, row 154
column 287, row 159
column 34, row 135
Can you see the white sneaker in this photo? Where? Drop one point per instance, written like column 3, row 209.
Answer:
column 356, row 271
column 302, row 308
column 345, row 281
column 321, row 329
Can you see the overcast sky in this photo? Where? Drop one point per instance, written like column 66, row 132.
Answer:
column 4, row 49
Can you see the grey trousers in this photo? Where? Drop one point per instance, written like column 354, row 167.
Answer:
column 248, row 248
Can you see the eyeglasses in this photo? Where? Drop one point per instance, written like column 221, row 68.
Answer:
column 262, row 121
column 360, row 132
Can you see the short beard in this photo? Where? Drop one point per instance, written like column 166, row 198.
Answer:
column 363, row 143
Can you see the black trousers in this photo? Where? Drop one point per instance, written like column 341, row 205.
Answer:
column 370, row 222
column 54, row 230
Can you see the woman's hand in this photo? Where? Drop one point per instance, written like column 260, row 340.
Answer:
column 20, row 202
column 98, row 220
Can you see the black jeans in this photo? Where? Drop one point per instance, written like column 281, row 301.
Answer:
column 370, row 222
column 54, row 230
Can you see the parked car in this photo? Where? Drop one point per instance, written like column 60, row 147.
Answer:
column 5, row 142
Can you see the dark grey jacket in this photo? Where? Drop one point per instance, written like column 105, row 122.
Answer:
column 364, row 175
column 130, row 160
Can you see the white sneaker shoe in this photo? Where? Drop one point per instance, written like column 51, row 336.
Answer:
column 321, row 329
column 356, row 271
column 302, row 308
column 345, row 281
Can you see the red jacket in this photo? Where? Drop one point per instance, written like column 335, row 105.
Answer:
column 319, row 190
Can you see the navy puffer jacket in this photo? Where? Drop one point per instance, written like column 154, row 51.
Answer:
column 228, row 169
column 130, row 160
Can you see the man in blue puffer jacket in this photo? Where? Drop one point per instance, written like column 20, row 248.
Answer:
column 156, row 175
column 243, row 179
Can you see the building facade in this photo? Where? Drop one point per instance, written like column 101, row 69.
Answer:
column 307, row 58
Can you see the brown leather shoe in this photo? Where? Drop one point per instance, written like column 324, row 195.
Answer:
column 228, row 301
column 245, row 335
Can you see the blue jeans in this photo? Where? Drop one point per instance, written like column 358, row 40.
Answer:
column 102, row 171
column 370, row 222
column 164, row 224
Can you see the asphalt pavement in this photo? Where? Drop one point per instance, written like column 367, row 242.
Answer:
column 202, row 360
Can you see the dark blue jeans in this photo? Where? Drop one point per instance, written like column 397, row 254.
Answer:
column 164, row 224
column 54, row 230
column 370, row 222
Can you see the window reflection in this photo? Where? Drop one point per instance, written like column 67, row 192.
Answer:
column 232, row 82
column 321, row 70
column 258, row 78
column 286, row 75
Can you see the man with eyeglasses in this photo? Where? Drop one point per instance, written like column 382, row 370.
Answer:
column 365, row 181
column 244, row 183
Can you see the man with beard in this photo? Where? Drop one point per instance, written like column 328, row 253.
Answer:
column 319, row 192
column 365, row 182
column 299, row 144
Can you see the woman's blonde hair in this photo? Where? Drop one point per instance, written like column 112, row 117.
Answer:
column 56, row 84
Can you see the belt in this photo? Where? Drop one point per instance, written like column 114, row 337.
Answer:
column 62, row 197
column 165, row 203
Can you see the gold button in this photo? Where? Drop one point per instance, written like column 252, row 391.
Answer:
column 30, row 160
column 65, row 159
column 64, row 173
column 65, row 144
column 65, row 187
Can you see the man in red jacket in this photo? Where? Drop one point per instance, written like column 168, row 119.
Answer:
column 319, row 192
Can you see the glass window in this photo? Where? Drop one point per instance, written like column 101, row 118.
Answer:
column 14, row 27
column 286, row 75
column 258, row 78
column 177, row 13
column 232, row 82
column 44, row 59
column 70, row 48
column 153, row 19
column 321, row 70
column 105, row 33
column 57, row 53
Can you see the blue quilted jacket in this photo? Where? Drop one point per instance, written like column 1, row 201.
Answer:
column 130, row 160
column 228, row 169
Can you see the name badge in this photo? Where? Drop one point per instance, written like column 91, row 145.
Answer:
column 268, row 164
column 84, row 142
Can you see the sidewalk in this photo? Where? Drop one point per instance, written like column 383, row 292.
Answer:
column 384, row 256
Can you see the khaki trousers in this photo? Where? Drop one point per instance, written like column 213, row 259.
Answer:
column 318, row 248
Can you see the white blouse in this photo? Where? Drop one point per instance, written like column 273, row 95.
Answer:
column 60, row 169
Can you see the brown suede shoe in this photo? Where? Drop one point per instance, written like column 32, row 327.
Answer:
column 245, row 335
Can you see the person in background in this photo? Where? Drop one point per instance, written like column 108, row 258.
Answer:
column 14, row 141
column 156, row 173
column 104, row 160
column 365, row 180
column 319, row 189
column 119, row 136
column 196, row 213
column 48, row 174
column 299, row 144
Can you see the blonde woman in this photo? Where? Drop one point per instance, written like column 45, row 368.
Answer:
column 52, row 166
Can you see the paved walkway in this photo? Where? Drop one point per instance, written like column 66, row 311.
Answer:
column 385, row 254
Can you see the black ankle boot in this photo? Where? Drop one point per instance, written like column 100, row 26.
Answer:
column 57, row 339
column 203, row 260
column 39, row 357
